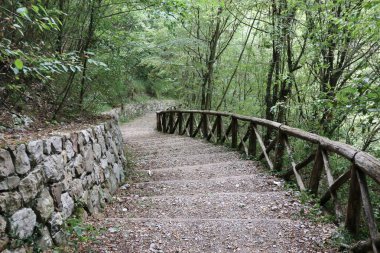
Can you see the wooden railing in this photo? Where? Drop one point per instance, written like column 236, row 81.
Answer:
column 243, row 133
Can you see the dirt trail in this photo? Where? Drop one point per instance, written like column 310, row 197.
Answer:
column 198, row 197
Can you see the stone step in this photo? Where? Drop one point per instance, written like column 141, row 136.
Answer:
column 156, row 138
column 182, row 160
column 175, row 143
column 162, row 153
column 242, row 205
column 242, row 183
column 211, row 235
column 206, row 171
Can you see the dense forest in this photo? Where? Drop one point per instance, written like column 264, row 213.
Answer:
column 309, row 63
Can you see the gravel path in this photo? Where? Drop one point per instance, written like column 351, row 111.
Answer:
column 194, row 196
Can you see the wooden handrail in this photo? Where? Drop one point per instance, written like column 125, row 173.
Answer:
column 362, row 163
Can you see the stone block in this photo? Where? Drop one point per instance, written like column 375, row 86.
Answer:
column 36, row 151
column 69, row 150
column 10, row 202
column 67, row 206
column 22, row 162
column 45, row 242
column 76, row 189
column 9, row 183
column 22, row 223
column 88, row 158
column 78, row 165
column 56, row 192
column 6, row 164
column 31, row 185
column 44, row 205
column 53, row 168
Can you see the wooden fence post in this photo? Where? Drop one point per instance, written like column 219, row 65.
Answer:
column 354, row 207
column 204, row 125
column 164, row 125
column 316, row 173
column 159, row 125
column 180, row 123
column 191, row 124
column 171, row 122
column 252, row 140
column 278, row 159
column 219, row 127
column 234, row 132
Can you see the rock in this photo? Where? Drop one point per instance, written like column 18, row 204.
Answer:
column 6, row 164
column 104, row 164
column 112, row 183
column 110, row 157
column 74, row 141
column 125, row 187
column 154, row 248
column 66, row 181
column 9, row 183
column 22, row 163
column 56, row 192
column 10, row 202
column 69, row 150
column 19, row 250
column 93, row 203
column 56, row 222
column 98, row 175
column 45, row 242
column 3, row 225
column 67, row 206
column 4, row 240
column 47, row 147
column 78, row 165
column 107, row 197
column 88, row 158
column 23, row 222
column 56, row 144
column 97, row 151
column 76, row 189
column 59, row 238
column 84, row 138
column 53, row 168
column 31, row 185
column 119, row 173
column 44, row 205
column 36, row 151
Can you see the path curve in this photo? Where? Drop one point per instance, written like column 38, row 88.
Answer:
column 198, row 197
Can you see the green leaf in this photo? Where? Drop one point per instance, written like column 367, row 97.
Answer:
column 19, row 64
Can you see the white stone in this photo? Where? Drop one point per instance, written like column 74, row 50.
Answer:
column 36, row 151
column 23, row 223
column 9, row 183
column 45, row 205
column 6, row 165
column 53, row 168
column 69, row 150
column 88, row 158
column 10, row 202
column 22, row 163
column 56, row 144
column 97, row 151
column 67, row 206
column 45, row 242
column 78, row 165
column 31, row 185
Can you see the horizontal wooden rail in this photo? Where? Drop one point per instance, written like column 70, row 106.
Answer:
column 242, row 133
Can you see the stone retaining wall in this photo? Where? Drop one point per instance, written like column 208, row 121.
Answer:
column 132, row 110
column 43, row 181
